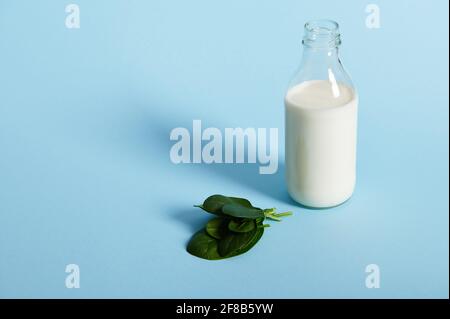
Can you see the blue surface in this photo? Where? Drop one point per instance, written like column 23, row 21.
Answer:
column 85, row 174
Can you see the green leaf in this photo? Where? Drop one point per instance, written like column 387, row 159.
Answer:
column 214, row 203
column 204, row 246
column 241, row 201
column 217, row 227
column 237, row 210
column 241, row 225
column 255, row 239
column 236, row 229
column 238, row 243
column 259, row 220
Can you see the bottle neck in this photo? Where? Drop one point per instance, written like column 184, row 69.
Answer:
column 321, row 55
column 320, row 59
column 320, row 43
column 321, row 62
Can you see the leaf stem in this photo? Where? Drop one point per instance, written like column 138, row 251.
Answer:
column 283, row 214
column 270, row 213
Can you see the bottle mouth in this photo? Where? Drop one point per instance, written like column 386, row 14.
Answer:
column 321, row 34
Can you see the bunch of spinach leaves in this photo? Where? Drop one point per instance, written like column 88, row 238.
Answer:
column 237, row 227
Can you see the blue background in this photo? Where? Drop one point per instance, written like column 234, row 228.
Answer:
column 85, row 174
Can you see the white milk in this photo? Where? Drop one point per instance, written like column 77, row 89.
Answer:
column 321, row 121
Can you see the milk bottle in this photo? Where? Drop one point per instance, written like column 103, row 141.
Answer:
column 321, row 118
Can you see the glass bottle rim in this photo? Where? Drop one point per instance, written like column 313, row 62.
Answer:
column 321, row 33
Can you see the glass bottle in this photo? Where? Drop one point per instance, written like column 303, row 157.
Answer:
column 321, row 122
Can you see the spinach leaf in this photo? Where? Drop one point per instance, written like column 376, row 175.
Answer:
column 241, row 201
column 214, row 203
column 217, row 227
column 237, row 210
column 241, row 225
column 204, row 246
column 238, row 243
column 255, row 239
column 236, row 229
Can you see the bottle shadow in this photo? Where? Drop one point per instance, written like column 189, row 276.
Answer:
column 155, row 137
column 247, row 175
column 270, row 185
column 150, row 135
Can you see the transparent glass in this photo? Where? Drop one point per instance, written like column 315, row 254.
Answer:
column 320, row 60
column 321, row 122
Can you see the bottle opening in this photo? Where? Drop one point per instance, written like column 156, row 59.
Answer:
column 322, row 34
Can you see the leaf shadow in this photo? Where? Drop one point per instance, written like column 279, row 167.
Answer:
column 192, row 220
